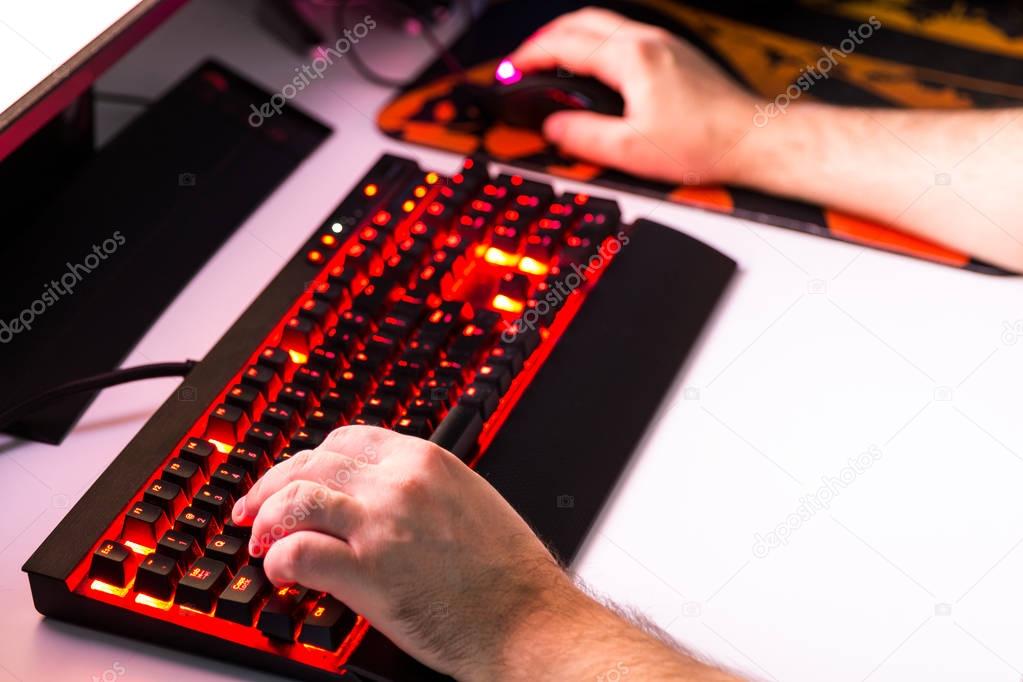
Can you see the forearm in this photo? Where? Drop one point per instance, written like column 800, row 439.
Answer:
column 571, row 637
column 947, row 176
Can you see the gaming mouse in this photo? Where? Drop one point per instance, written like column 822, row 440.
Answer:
column 525, row 100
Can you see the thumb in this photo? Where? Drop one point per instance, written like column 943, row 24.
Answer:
column 602, row 139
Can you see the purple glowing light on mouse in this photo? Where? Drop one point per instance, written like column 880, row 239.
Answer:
column 506, row 73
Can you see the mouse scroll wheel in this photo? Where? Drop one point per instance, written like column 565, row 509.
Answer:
column 569, row 99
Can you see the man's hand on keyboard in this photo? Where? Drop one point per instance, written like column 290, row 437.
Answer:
column 407, row 535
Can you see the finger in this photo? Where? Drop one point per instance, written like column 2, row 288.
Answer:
column 334, row 463
column 581, row 52
column 604, row 140
column 592, row 19
column 315, row 560
column 304, row 505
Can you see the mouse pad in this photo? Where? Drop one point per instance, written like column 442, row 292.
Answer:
column 927, row 54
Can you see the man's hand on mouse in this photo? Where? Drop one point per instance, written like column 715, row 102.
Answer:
column 407, row 535
column 682, row 112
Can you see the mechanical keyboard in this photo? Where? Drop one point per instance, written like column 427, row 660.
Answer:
column 532, row 334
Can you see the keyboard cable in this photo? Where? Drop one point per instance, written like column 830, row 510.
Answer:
column 95, row 383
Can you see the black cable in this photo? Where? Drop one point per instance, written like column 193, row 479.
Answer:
column 95, row 383
column 367, row 73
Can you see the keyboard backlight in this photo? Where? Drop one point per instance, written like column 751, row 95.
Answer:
column 510, row 305
column 531, row 266
column 101, row 586
column 139, row 549
column 220, row 446
column 370, row 190
column 298, row 357
column 496, row 256
column 146, row 600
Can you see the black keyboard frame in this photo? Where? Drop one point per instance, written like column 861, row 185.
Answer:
column 571, row 433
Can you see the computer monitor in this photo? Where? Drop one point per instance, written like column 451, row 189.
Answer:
column 60, row 47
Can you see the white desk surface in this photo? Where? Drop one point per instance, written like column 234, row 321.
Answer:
column 820, row 351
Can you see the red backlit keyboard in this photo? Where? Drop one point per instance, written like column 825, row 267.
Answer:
column 530, row 333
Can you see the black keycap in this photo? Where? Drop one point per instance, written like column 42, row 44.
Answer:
column 157, row 576
column 243, row 595
column 333, row 295
column 144, row 523
column 315, row 310
column 356, row 381
column 250, row 458
column 496, row 375
column 399, row 387
column 507, row 356
column 326, row 360
column 514, row 285
column 202, row 583
column 414, row 426
column 195, row 522
column 165, row 495
column 227, row 423
column 236, row 531
column 259, row 377
column 276, row 359
column 198, row 451
column 356, row 322
column 228, row 549
column 298, row 335
column 383, row 406
column 458, row 432
column 327, row 624
column 214, row 500
column 245, row 397
column 283, row 416
column 340, row 340
column 306, row 439
column 380, row 348
column 426, row 407
column 181, row 547
column 342, row 401
column 265, row 436
column 312, row 378
column 482, row 396
column 113, row 564
column 231, row 478
column 295, row 396
column 279, row 617
column 409, row 368
column 324, row 419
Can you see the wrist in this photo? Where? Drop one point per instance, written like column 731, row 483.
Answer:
column 533, row 633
